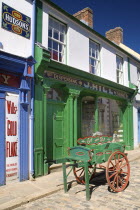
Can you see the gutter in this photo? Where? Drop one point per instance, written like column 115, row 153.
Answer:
column 32, row 96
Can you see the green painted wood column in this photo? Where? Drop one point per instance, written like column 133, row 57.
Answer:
column 96, row 115
column 73, row 94
column 75, row 117
column 128, row 127
column 71, row 120
column 45, row 89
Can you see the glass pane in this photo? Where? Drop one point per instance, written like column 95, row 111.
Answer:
column 50, row 22
column 93, row 70
column 110, row 118
column 49, row 43
column 55, row 45
column 92, row 62
column 62, row 37
column 50, row 32
column 62, row 28
column 60, row 47
column 93, row 53
column 60, row 57
column 56, row 25
column 55, row 94
column 55, row 55
column 88, row 112
column 55, row 34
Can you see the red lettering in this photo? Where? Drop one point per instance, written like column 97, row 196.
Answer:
column 11, row 128
column 11, row 108
column 11, row 149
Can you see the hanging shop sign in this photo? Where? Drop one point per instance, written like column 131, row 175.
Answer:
column 11, row 108
column 15, row 21
column 9, row 80
column 85, row 84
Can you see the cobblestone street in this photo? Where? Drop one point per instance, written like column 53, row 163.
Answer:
column 101, row 198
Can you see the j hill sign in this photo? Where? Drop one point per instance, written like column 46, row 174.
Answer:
column 15, row 21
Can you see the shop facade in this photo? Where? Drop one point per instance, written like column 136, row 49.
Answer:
column 15, row 84
column 69, row 104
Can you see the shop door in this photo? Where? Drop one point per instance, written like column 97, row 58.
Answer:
column 11, row 126
column 55, row 131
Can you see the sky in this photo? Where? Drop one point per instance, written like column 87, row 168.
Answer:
column 108, row 14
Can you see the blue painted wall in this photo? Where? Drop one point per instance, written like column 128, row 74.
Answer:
column 2, row 138
column 16, row 65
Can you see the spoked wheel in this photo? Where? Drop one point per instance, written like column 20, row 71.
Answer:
column 80, row 173
column 118, row 171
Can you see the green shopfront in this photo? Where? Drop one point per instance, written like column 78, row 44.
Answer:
column 70, row 104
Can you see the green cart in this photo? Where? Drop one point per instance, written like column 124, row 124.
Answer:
column 98, row 152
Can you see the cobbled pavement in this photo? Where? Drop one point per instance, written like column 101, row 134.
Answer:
column 101, row 198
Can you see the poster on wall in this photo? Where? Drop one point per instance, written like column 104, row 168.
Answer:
column 11, row 107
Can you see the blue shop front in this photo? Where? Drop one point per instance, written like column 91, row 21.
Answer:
column 16, row 77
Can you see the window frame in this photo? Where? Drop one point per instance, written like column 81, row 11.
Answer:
column 120, row 71
column 94, row 58
column 57, row 41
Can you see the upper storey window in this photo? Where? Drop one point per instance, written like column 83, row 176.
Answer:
column 94, row 61
column 119, row 68
column 57, row 40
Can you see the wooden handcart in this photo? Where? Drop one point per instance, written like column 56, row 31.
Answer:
column 90, row 154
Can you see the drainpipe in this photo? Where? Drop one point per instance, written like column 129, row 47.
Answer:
column 32, row 96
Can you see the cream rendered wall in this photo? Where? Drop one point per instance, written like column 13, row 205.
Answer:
column 133, row 73
column 13, row 43
column 108, row 63
column 78, row 47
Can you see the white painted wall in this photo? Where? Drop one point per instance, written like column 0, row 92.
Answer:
column 133, row 72
column 78, row 54
column 78, row 47
column 13, row 43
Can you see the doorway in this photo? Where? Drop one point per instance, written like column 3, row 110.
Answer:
column 56, row 144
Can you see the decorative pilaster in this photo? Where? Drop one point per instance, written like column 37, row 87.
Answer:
column 73, row 94
column 128, row 127
column 45, row 91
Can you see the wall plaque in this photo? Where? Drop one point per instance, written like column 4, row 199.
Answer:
column 16, row 22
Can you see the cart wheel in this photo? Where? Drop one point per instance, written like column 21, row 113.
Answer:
column 117, row 171
column 79, row 173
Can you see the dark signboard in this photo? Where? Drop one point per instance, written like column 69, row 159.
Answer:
column 15, row 21
column 85, row 84
column 9, row 80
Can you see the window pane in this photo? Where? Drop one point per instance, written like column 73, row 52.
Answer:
column 55, row 55
column 92, row 62
column 62, row 37
column 50, row 32
column 55, row 34
column 60, row 47
column 56, row 25
column 50, row 22
column 93, row 70
column 62, row 28
column 93, row 53
column 49, row 43
column 60, row 57
column 55, row 45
